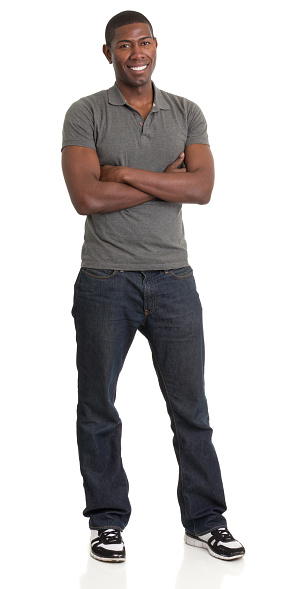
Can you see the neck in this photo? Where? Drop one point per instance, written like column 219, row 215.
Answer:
column 137, row 96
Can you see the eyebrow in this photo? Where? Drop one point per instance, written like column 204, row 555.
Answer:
column 128, row 40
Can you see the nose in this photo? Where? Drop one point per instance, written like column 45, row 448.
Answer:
column 137, row 52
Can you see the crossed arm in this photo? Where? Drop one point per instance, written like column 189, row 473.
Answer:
column 95, row 189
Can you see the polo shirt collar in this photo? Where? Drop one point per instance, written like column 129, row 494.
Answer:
column 116, row 98
column 159, row 100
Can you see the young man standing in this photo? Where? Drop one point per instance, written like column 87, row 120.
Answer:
column 131, row 156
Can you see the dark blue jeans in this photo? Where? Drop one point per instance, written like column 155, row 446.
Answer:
column 109, row 307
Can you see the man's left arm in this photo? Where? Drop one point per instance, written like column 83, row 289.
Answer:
column 193, row 186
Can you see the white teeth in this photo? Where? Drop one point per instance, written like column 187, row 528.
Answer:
column 142, row 67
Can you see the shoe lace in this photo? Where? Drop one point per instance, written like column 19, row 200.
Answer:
column 110, row 536
column 223, row 534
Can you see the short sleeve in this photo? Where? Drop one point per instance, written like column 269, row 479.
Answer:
column 78, row 127
column 197, row 127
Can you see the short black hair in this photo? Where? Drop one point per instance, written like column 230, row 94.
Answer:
column 127, row 17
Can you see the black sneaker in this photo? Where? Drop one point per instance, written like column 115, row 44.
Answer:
column 219, row 543
column 107, row 545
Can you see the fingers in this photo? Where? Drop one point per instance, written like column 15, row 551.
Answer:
column 175, row 166
column 178, row 161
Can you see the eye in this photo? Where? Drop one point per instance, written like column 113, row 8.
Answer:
column 124, row 45
column 146, row 43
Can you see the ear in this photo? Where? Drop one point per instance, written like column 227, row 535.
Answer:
column 155, row 42
column 107, row 53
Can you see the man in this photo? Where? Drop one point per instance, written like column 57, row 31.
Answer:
column 131, row 156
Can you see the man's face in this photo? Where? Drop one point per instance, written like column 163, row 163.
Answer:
column 133, row 54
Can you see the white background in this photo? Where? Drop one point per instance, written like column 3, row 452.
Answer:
column 235, row 60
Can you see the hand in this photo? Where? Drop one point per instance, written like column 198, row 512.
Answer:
column 174, row 167
column 111, row 173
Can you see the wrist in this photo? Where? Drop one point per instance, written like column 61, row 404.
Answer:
column 123, row 174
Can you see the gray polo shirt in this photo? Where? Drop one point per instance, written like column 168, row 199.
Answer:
column 149, row 236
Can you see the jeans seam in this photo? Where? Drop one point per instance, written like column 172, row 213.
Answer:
column 115, row 272
column 146, row 311
column 180, row 277
column 106, row 528
column 207, row 532
column 180, row 457
column 154, row 294
column 75, row 307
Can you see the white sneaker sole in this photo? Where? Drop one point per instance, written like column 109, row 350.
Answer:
column 198, row 544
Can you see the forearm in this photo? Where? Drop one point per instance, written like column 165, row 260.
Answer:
column 108, row 197
column 190, row 187
column 89, row 195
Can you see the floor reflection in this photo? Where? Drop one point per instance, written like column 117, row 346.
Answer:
column 102, row 574
column 196, row 570
column 198, row 566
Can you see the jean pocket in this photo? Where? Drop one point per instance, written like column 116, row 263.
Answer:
column 99, row 274
column 181, row 273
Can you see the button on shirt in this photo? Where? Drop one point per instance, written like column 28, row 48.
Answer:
column 150, row 235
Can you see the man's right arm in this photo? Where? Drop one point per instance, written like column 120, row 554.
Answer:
column 81, row 170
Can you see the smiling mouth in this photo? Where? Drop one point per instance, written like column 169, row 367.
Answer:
column 138, row 68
